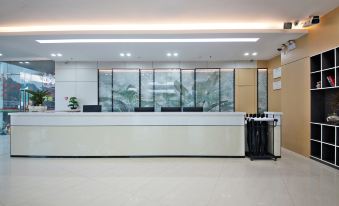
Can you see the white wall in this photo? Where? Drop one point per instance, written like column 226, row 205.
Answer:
column 80, row 79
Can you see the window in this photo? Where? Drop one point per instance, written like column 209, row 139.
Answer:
column 262, row 90
column 167, row 88
column 188, row 87
column 147, row 88
column 207, row 89
column 226, row 90
column 120, row 90
column 105, row 90
column 125, row 90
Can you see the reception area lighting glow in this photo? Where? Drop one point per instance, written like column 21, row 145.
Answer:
column 143, row 27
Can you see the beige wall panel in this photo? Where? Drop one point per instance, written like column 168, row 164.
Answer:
column 246, row 99
column 274, row 96
column 295, row 106
column 246, row 76
column 262, row 64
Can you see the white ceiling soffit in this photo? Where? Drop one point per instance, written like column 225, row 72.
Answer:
column 26, row 47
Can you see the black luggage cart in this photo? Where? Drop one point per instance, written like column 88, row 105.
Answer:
column 258, row 133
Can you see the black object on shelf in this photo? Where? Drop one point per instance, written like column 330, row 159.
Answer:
column 170, row 109
column 144, row 109
column 258, row 133
column 91, row 108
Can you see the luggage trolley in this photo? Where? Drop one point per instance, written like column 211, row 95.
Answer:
column 258, row 133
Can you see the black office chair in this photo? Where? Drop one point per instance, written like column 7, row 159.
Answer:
column 170, row 109
column 143, row 109
column 192, row 109
column 91, row 108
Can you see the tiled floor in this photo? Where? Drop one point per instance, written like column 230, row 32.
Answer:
column 292, row 180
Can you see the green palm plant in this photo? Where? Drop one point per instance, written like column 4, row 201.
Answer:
column 73, row 103
column 38, row 97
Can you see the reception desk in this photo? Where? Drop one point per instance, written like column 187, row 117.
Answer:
column 68, row 134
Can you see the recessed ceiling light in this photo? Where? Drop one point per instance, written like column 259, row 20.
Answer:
column 0, row 55
column 169, row 54
column 26, row 62
column 254, row 54
column 122, row 54
column 128, row 54
column 59, row 54
column 246, row 54
column 53, row 55
column 175, row 54
column 188, row 40
column 21, row 62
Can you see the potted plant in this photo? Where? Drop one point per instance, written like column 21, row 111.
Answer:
column 37, row 100
column 73, row 103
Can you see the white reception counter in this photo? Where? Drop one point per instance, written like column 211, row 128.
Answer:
column 67, row 134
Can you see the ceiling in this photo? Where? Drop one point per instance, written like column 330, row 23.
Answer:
column 23, row 13
column 26, row 47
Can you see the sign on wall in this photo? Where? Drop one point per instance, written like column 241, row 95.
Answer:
column 277, row 73
column 276, row 85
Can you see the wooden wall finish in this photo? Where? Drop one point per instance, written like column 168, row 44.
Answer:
column 246, row 90
column 295, row 105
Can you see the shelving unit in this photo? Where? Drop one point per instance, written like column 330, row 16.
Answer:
column 324, row 86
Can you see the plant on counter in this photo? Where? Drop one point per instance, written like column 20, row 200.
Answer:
column 73, row 103
column 38, row 97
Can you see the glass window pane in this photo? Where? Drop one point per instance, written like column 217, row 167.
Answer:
column 147, row 90
column 207, row 86
column 262, row 90
column 125, row 90
column 188, row 98
column 167, row 88
column 227, row 90
column 105, row 90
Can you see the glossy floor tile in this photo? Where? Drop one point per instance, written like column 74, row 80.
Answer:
column 292, row 180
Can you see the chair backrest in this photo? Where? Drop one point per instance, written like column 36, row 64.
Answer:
column 143, row 109
column 91, row 108
column 170, row 109
column 192, row 109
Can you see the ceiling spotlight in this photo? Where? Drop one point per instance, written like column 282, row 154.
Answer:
column 128, row 54
column 0, row 55
column 122, row 54
column 21, row 62
column 26, row 62
column 246, row 54
column 169, row 54
column 59, row 54
column 254, row 54
column 175, row 54
column 53, row 55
